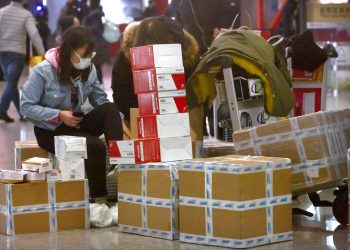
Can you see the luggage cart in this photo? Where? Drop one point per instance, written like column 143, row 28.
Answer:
column 228, row 92
column 242, row 95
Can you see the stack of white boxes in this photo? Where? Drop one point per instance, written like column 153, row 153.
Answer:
column 163, row 121
column 70, row 153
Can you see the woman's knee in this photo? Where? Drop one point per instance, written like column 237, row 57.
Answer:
column 96, row 147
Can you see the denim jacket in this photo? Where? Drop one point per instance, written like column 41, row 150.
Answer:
column 43, row 96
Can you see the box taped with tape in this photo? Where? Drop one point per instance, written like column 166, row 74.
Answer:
column 237, row 202
column 315, row 143
column 44, row 207
column 148, row 199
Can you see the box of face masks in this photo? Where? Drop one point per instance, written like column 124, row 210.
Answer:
column 70, row 147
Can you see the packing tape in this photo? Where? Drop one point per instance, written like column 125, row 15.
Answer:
column 235, row 243
column 144, row 194
column 269, row 195
column 298, row 141
column 230, row 168
column 254, row 136
column 87, row 204
column 10, row 225
column 236, row 205
column 208, row 196
column 149, row 232
column 52, row 201
column 174, row 195
column 150, row 166
column 145, row 201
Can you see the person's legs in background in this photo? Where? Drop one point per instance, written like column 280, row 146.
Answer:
column 12, row 64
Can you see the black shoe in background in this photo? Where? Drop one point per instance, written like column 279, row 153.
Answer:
column 6, row 118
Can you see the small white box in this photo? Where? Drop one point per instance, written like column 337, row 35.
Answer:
column 33, row 177
column 37, row 164
column 10, row 176
column 150, row 150
column 156, row 56
column 255, row 87
column 164, row 126
column 70, row 147
column 72, row 169
column 53, row 175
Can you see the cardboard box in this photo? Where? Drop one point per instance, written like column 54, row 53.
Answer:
column 315, row 143
column 28, row 149
column 161, row 103
column 10, row 176
column 150, row 150
column 70, row 147
column 134, row 113
column 31, row 207
column 235, row 202
column 53, row 175
column 156, row 56
column 34, row 177
column 159, row 79
column 148, row 200
column 164, row 126
column 37, row 164
column 44, row 207
column 71, row 170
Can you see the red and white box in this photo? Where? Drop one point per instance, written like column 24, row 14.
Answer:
column 156, row 56
column 163, row 126
column 161, row 103
column 159, row 79
column 150, row 150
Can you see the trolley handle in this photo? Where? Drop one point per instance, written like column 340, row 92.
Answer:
column 224, row 61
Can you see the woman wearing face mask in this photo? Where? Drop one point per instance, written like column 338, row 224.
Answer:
column 54, row 93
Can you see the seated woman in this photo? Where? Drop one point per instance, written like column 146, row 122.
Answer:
column 54, row 93
column 152, row 30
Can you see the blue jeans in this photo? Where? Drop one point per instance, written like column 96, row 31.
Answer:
column 12, row 65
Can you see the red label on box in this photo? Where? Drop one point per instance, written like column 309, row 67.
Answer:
column 160, row 103
column 147, row 127
column 147, row 151
column 312, row 95
column 142, row 57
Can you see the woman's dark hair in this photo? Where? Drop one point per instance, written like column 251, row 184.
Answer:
column 73, row 39
column 159, row 30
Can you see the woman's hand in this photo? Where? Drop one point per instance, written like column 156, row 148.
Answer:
column 69, row 119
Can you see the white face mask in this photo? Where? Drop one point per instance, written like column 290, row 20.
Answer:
column 83, row 63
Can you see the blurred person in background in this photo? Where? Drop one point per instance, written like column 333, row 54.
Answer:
column 76, row 8
column 152, row 30
column 150, row 10
column 94, row 22
column 15, row 23
column 64, row 23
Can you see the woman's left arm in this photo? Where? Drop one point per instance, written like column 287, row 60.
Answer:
column 97, row 95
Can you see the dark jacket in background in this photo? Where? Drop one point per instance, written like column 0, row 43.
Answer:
column 94, row 22
column 199, row 18
column 122, row 81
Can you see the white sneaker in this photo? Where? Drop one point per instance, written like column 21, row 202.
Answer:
column 100, row 215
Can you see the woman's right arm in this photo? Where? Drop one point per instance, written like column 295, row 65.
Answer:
column 31, row 95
